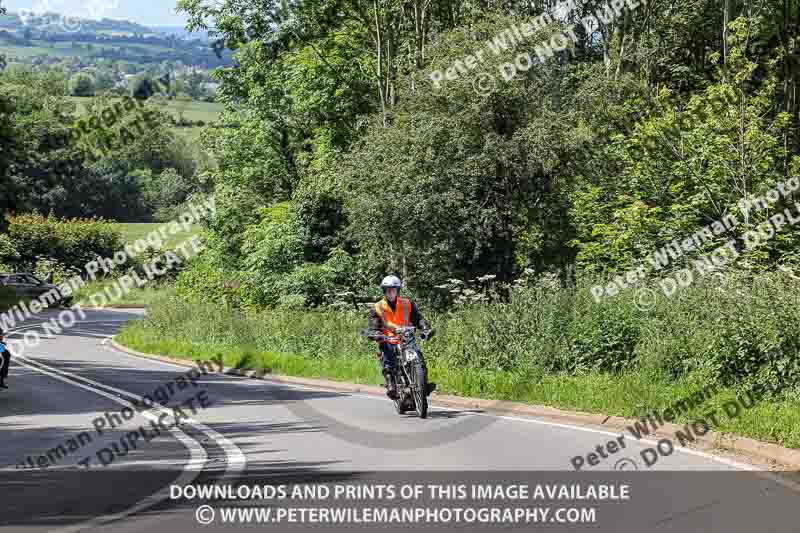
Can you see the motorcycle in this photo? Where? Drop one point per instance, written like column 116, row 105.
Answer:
column 410, row 376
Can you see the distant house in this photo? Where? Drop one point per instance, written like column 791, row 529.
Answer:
column 210, row 86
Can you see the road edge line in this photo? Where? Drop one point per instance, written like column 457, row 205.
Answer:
column 710, row 442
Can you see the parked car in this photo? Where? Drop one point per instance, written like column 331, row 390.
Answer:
column 29, row 286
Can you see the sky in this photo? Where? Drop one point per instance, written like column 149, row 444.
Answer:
column 146, row 12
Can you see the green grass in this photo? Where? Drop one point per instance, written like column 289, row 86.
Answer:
column 194, row 111
column 151, row 292
column 23, row 52
column 191, row 135
column 205, row 111
column 134, row 231
column 327, row 345
column 354, row 370
column 142, row 297
column 609, row 395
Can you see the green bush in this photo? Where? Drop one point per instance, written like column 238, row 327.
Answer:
column 602, row 336
column 759, row 341
column 46, row 266
column 8, row 252
column 70, row 242
column 738, row 333
column 205, row 282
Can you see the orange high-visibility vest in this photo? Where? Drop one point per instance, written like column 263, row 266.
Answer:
column 394, row 319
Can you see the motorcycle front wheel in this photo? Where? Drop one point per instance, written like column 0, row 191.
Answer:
column 400, row 401
column 420, row 390
column 398, row 405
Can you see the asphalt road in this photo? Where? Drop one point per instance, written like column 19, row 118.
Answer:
column 68, row 459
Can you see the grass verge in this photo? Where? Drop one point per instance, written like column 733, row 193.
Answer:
column 139, row 296
column 327, row 346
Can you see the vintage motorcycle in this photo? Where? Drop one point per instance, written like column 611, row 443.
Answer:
column 410, row 375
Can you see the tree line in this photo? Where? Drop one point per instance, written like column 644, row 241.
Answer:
column 46, row 168
column 346, row 162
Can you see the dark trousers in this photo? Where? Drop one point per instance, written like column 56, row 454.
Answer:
column 389, row 356
column 6, row 360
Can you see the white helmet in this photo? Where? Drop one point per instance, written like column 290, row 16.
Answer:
column 390, row 282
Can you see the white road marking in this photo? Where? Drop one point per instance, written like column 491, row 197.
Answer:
column 198, row 459
column 236, row 459
column 529, row 420
column 196, row 463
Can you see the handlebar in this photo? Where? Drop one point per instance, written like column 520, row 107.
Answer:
column 398, row 332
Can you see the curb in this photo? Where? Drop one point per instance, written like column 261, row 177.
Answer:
column 774, row 454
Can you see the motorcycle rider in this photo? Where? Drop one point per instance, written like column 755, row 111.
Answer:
column 5, row 361
column 389, row 313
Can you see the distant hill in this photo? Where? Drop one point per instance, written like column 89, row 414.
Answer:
column 48, row 38
column 50, row 23
column 181, row 33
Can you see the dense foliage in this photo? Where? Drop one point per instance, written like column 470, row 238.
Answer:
column 53, row 160
column 346, row 155
column 38, row 243
column 746, row 336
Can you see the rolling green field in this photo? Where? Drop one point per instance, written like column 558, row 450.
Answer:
column 205, row 111
column 143, row 296
column 65, row 49
column 133, row 231
column 22, row 52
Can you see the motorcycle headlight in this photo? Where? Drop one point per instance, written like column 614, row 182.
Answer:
column 411, row 355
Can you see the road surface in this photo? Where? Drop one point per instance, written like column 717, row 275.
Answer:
column 69, row 460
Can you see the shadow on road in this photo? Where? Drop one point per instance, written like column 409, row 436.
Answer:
column 49, row 499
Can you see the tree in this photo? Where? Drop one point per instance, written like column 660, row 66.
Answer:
column 82, row 85
column 8, row 147
column 142, row 89
column 104, row 80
